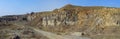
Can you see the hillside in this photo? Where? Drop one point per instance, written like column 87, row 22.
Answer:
column 95, row 22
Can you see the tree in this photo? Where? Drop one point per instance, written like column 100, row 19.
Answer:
column 32, row 13
column 16, row 37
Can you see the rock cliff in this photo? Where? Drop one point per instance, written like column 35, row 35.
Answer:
column 70, row 18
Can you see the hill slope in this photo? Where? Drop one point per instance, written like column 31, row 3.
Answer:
column 89, row 21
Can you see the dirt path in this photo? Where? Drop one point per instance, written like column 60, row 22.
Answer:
column 51, row 35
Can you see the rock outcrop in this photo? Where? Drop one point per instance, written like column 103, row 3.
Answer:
column 72, row 18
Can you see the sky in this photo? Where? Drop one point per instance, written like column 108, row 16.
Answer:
column 14, row 7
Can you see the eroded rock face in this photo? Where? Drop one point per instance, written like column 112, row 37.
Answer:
column 74, row 18
column 13, row 18
column 59, row 19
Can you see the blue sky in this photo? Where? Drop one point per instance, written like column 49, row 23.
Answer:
column 10, row 7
